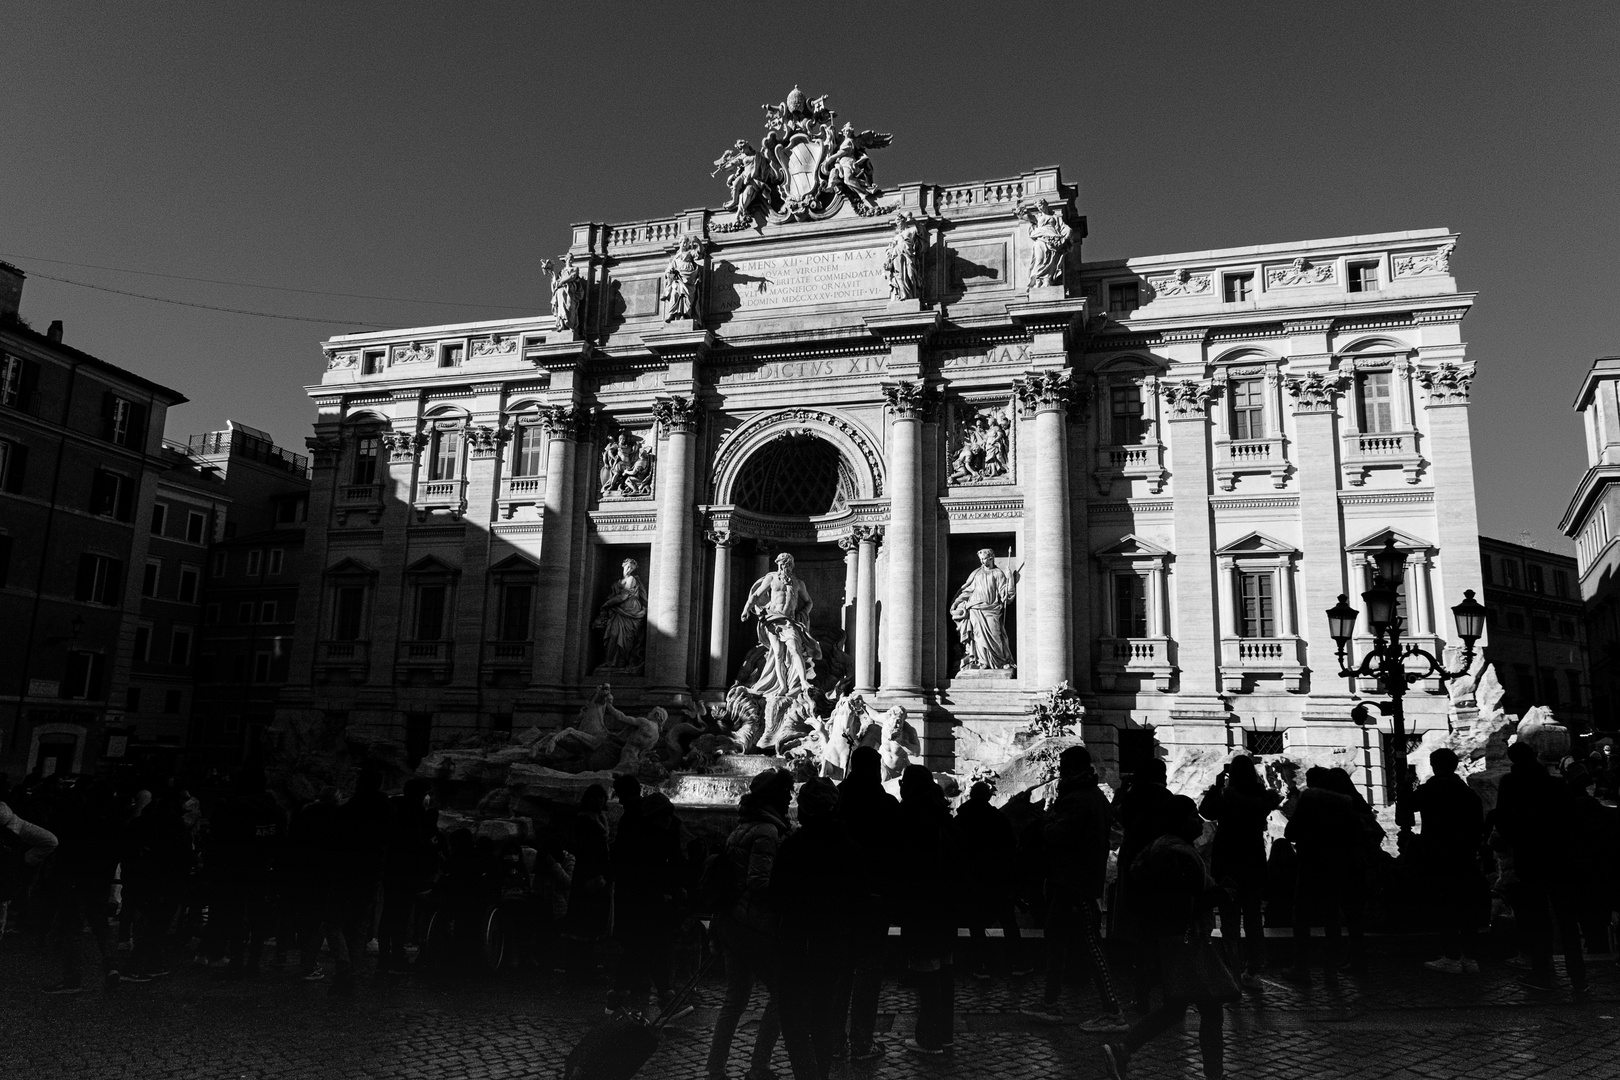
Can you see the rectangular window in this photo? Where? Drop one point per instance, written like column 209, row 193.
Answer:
column 451, row 355
column 220, row 564
column 82, row 675
column 1263, row 742
column 150, row 576
column 1239, row 287
column 261, row 667
column 187, row 593
column 1535, row 578
column 1561, row 584
column 143, row 642
column 244, row 612
column 18, row 380
column 1130, row 606
column 100, row 579
column 5, row 560
column 1510, row 573
column 1363, row 277
column 275, row 561
column 1125, row 412
column 253, row 563
column 1485, row 569
column 1122, row 298
column 123, row 421
column 180, row 645
column 1566, row 629
column 515, row 603
column 160, row 514
column 529, row 451
column 348, row 612
column 371, row 362
column 365, row 460
column 1259, row 615
column 173, row 700
column 112, row 495
column 1375, row 401
column 196, row 527
column 1248, row 409
column 430, row 612
column 267, row 611
column 446, row 456
column 13, row 466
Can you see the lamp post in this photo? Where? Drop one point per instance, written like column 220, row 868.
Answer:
column 1386, row 662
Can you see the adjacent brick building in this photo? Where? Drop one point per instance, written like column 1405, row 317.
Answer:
column 1537, row 642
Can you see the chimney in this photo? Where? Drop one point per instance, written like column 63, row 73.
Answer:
column 11, row 287
column 55, row 331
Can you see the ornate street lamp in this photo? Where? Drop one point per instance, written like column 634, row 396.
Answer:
column 1386, row 662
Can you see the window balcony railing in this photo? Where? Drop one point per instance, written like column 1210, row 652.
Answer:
column 366, row 498
column 1365, row 451
column 1234, row 457
column 343, row 661
column 519, row 491
column 431, row 658
column 508, row 653
column 448, row 495
column 1137, row 461
column 1147, row 657
column 1241, row 657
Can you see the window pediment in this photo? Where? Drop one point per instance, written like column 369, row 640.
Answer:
column 1257, row 543
column 514, row 564
column 1403, row 540
column 431, row 566
column 1132, row 548
column 353, row 568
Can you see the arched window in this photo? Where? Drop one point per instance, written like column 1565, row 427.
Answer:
column 796, row 475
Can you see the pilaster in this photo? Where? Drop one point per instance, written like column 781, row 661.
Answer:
column 669, row 608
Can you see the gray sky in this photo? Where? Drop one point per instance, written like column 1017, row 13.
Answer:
column 439, row 151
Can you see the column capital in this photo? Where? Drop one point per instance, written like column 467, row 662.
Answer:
column 1043, row 391
column 1314, row 391
column 1188, row 399
column 1448, row 384
column 866, row 534
column 564, row 421
column 909, row 400
column 848, row 544
column 676, row 414
column 720, row 537
column 483, row 442
column 324, row 450
column 402, row 445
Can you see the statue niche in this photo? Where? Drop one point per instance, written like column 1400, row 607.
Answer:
column 982, row 451
column 622, row 619
column 627, row 467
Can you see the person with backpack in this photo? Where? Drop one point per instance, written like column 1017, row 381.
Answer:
column 990, row 849
column 872, row 817
column 739, row 884
column 1324, row 832
column 929, row 872
column 1074, row 849
column 1176, row 901
column 1448, row 848
column 1535, row 813
column 24, row 847
column 1239, row 805
column 1144, row 810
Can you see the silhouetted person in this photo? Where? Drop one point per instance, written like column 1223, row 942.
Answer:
column 1176, row 896
column 1448, row 853
column 1593, row 857
column 590, row 900
column 366, row 821
column 245, row 835
column 1367, row 838
column 1240, row 804
column 929, row 874
column 1145, row 810
column 821, row 886
column 872, row 816
column 158, row 860
column 748, row 926
column 990, row 851
column 648, row 893
column 1074, row 847
column 32, row 845
column 78, row 880
column 1323, row 831
column 316, row 850
column 410, row 864
column 1535, row 813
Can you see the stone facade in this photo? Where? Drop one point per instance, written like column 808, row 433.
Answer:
column 1538, row 642
column 1180, row 461
column 1593, row 523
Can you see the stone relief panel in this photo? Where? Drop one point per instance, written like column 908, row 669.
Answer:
column 417, row 352
column 339, row 361
column 1300, row 272
column 979, row 444
column 628, row 466
column 1419, row 264
column 1181, row 283
column 494, row 345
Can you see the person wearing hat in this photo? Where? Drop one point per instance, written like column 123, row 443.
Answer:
column 1448, row 847
column 748, row 927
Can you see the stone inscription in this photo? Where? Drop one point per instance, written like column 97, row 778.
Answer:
column 789, row 371
column 824, row 277
column 997, row 356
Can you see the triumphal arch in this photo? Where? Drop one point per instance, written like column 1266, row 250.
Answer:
column 994, row 468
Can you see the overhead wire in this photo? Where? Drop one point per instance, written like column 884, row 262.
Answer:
column 212, row 307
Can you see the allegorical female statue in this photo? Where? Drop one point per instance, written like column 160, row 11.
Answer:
column 1049, row 239
column 902, row 260
column 567, row 289
column 623, row 622
column 980, row 614
column 683, row 281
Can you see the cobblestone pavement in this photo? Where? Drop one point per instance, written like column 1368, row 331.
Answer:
column 1401, row 1021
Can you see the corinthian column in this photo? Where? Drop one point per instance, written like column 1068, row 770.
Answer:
column 907, row 402
column 1050, row 395
column 864, row 647
column 562, row 424
column 669, row 608
column 720, row 614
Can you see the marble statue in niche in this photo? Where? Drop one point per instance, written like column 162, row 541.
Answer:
column 627, row 468
column 683, row 281
column 981, row 452
column 623, row 622
column 1050, row 238
column 980, row 614
column 780, row 605
column 567, row 290
column 902, row 260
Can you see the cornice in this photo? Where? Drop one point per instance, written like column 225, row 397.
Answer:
column 1384, row 498
column 1590, row 488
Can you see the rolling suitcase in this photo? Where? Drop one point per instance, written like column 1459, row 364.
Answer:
column 620, row 1045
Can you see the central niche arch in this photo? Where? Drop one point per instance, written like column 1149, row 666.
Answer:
column 795, row 475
